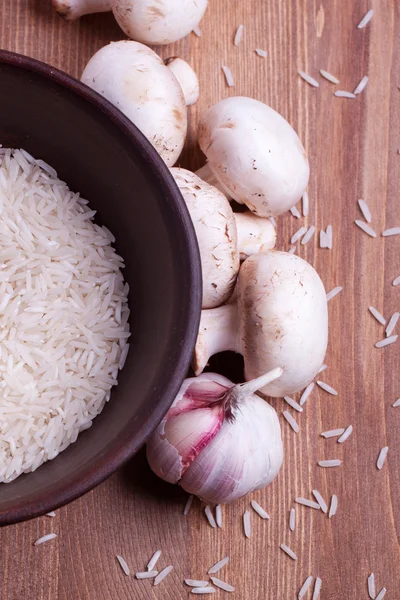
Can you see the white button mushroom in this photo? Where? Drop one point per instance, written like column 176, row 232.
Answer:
column 280, row 318
column 255, row 154
column 135, row 80
column 218, row 230
column 147, row 21
column 187, row 78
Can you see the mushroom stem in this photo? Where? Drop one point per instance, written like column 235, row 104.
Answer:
column 73, row 9
column 218, row 332
column 186, row 77
column 207, row 175
column 255, row 234
column 241, row 391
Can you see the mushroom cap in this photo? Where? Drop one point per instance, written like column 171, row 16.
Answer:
column 135, row 80
column 256, row 155
column 284, row 320
column 216, row 232
column 158, row 21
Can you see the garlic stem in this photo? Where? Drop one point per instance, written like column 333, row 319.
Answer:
column 218, row 332
column 242, row 391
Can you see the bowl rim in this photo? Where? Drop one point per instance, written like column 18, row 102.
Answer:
column 106, row 465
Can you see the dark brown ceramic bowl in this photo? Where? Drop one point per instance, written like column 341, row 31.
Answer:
column 99, row 153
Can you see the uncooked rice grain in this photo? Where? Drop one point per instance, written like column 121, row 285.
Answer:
column 64, row 315
column 306, row 393
column 292, row 422
column 45, row 538
column 361, row 86
column 305, row 203
column 333, row 293
column 293, row 403
column 228, row 76
column 375, row 313
column 381, row 594
column 366, row 19
column 333, row 432
column 146, row 574
column 308, row 235
column 163, row 575
column 299, row 233
column 343, row 94
column 366, row 228
column 227, row 587
column 210, row 516
column 317, row 588
column 364, row 208
column 390, row 232
column 203, row 590
column 292, row 519
column 218, row 566
column 123, row 565
column 308, row 78
column 260, row 52
column 259, row 510
column 308, row 503
column 305, row 587
column 327, row 388
column 346, row 434
column 335, row 462
column 238, row 35
column 51, row 514
column 295, row 212
column 371, row 586
column 396, row 281
column 218, row 515
column 188, row 505
column 329, row 76
column 322, row 368
column 319, row 498
column 153, row 561
column 392, row 324
column 329, row 236
column 386, row 342
column 288, row 551
column 292, row 250
column 196, row 31
column 323, row 242
column 397, row 403
column 246, row 523
column 382, row 457
column 333, row 506
column 196, row 583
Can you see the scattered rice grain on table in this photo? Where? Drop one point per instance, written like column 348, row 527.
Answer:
column 203, row 590
column 392, row 324
column 329, row 236
column 146, row 574
column 361, row 86
column 333, row 292
column 295, row 212
column 305, row 587
column 382, row 457
column 346, row 434
column 197, row 31
column 45, row 538
column 162, row 575
column 396, row 281
column 288, row 551
column 295, row 405
column 377, row 315
column 299, row 233
column 292, row 422
column 153, row 561
column 333, row 433
column 188, row 505
column 292, row 250
column 327, row 388
column 366, row 228
column 227, row 587
column 387, row 341
column 218, row 515
column 228, row 76
column 308, row 503
column 210, row 516
column 366, row 19
column 292, row 519
column 259, row 510
column 343, row 94
column 218, row 566
column 329, row 77
column 364, row 208
column 381, row 594
column 322, row 369
column 247, row 523
column 333, row 506
column 196, row 583
column 238, row 35
column 310, row 80
column 323, row 243
column 261, row 53
column 371, row 586
column 396, row 403
column 335, row 462
column 390, row 232
column 306, row 394
column 51, row 514
column 319, row 498
column 317, row 588
column 307, row 237
column 123, row 564
column 305, row 203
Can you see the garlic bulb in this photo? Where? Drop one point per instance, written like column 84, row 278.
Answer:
column 219, row 441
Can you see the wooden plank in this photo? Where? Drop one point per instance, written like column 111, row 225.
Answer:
column 352, row 145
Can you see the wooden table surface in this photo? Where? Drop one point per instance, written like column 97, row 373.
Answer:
column 353, row 149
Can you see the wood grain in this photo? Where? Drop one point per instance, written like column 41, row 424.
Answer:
column 352, row 146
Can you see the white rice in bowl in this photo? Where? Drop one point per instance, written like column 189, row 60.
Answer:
column 63, row 315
